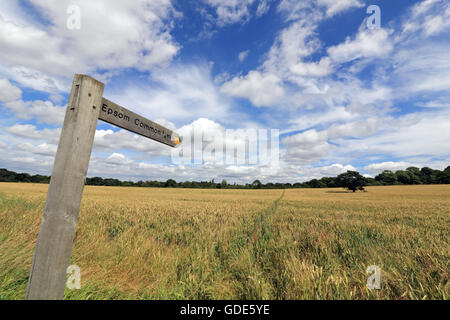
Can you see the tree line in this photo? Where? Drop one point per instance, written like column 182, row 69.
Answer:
column 351, row 180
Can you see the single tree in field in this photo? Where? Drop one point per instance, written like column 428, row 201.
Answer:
column 351, row 180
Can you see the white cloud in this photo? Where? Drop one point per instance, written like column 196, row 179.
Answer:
column 422, row 68
column 313, row 145
column 320, row 117
column 207, row 135
column 231, row 11
column 29, row 131
column 367, row 44
column 411, row 135
column 118, row 159
column 295, row 10
column 8, row 92
column 31, row 163
column 288, row 78
column 427, row 18
column 181, row 93
column 265, row 86
column 440, row 103
column 292, row 44
column 108, row 140
column 376, row 168
column 243, row 55
column 222, row 77
column 42, row 149
column 263, row 7
column 113, row 35
column 263, row 89
column 313, row 9
column 314, row 69
column 43, row 111
column 306, row 147
column 296, row 173
column 356, row 129
column 334, row 7
column 334, row 169
column 36, row 80
column 435, row 25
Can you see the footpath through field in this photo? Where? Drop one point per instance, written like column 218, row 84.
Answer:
column 256, row 246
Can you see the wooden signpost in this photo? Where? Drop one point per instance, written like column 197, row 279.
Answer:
column 54, row 243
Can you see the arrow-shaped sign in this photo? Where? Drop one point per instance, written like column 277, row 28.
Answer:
column 119, row 116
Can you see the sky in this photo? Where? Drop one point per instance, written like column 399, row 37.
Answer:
column 344, row 92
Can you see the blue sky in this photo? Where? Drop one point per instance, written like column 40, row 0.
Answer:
column 344, row 97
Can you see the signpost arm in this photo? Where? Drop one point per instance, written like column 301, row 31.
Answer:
column 54, row 244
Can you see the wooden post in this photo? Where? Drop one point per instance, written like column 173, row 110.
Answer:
column 54, row 244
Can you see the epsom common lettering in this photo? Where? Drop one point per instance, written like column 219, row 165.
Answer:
column 115, row 113
column 138, row 122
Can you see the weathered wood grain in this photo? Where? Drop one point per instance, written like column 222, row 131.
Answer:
column 54, row 244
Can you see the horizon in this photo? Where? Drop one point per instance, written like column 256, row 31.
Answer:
column 378, row 180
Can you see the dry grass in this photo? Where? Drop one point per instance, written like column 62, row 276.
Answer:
column 136, row 243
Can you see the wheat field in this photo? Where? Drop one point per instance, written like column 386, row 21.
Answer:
column 142, row 243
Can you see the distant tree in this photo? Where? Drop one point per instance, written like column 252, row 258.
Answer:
column 23, row 177
column 195, row 184
column 387, row 177
column 7, row 176
column 157, row 184
column 415, row 175
column 414, row 170
column 428, row 175
column 257, row 184
column 170, row 183
column 224, row 184
column 314, row 183
column 373, row 182
column 445, row 176
column 329, row 182
column 95, row 181
column 112, row 182
column 40, row 179
column 351, row 180
column 404, row 177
